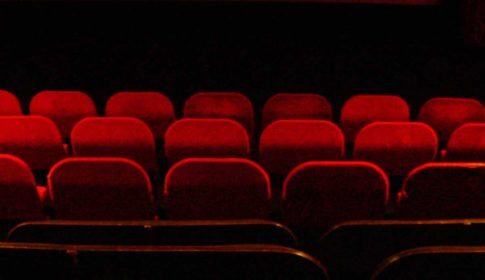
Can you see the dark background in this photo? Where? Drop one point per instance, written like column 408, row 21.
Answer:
column 254, row 47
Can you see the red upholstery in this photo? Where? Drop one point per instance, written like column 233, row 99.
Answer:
column 100, row 188
column 205, row 138
column 65, row 108
column 467, row 143
column 10, row 105
column 296, row 106
column 361, row 110
column 115, row 137
column 217, row 189
column 322, row 194
column 397, row 147
column 287, row 143
column 444, row 191
column 230, row 105
column 154, row 108
column 34, row 139
column 447, row 114
column 19, row 198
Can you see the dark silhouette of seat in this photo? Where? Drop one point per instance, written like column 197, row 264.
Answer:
column 296, row 106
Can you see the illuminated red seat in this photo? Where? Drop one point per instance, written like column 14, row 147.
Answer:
column 361, row 110
column 296, row 106
column 444, row 191
column 100, row 188
column 467, row 143
column 217, row 189
column 65, row 108
column 154, row 108
column 396, row 147
column 230, row 105
column 320, row 194
column 34, row 139
column 205, row 138
column 20, row 199
column 445, row 115
column 285, row 144
column 115, row 137
column 9, row 104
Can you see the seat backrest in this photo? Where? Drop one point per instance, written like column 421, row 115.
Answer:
column 438, row 262
column 65, row 108
column 296, row 106
column 396, row 147
column 361, row 110
column 205, row 138
column 154, row 108
column 287, row 143
column 322, row 194
column 354, row 249
column 173, row 233
column 115, row 137
column 217, row 189
column 446, row 114
column 9, row 104
column 443, row 191
column 230, row 105
column 100, row 188
column 467, row 143
column 34, row 139
column 19, row 199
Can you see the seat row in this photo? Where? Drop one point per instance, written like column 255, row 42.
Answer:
column 397, row 147
column 353, row 250
column 68, row 107
column 314, row 195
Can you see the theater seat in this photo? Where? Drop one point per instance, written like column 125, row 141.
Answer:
column 115, row 137
column 65, row 108
column 230, row 105
column 361, row 110
column 296, row 106
column 205, row 138
column 320, row 194
column 286, row 143
column 445, row 115
column 34, row 139
column 100, row 188
column 467, row 143
column 443, row 191
column 20, row 199
column 233, row 188
column 396, row 147
column 154, row 108
column 9, row 104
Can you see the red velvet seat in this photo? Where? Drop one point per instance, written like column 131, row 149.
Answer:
column 467, row 143
column 396, row 147
column 296, row 106
column 230, row 105
column 320, row 194
column 65, row 108
column 217, row 189
column 285, row 144
column 444, row 191
column 20, row 199
column 445, row 115
column 205, row 138
column 100, row 188
column 361, row 110
column 34, row 139
column 115, row 137
column 154, row 108
column 9, row 104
